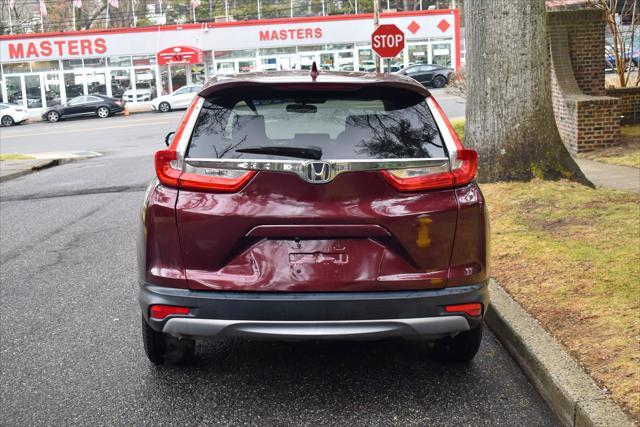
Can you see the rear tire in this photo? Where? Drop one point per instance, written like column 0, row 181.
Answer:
column 439, row 82
column 53, row 116
column 164, row 107
column 163, row 348
column 103, row 112
column 461, row 348
column 7, row 121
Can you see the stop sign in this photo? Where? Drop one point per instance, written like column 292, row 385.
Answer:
column 387, row 41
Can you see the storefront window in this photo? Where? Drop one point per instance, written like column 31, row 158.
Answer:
column 145, row 81
column 52, row 89
column 312, row 48
column 306, row 61
column 33, row 89
column 16, row 67
column 96, row 82
column 366, row 61
column 327, row 61
column 119, row 61
column 418, row 53
column 441, row 54
column 227, row 67
column 269, row 64
column 246, row 66
column 345, row 61
column 71, row 64
column 197, row 74
column 73, row 84
column 45, row 66
column 94, row 62
column 120, row 81
column 14, row 89
column 144, row 60
column 228, row 54
column 277, row 51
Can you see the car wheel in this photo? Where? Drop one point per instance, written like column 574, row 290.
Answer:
column 53, row 116
column 163, row 348
column 7, row 121
column 461, row 348
column 164, row 107
column 103, row 112
column 439, row 82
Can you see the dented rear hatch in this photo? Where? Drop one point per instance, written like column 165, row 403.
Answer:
column 298, row 189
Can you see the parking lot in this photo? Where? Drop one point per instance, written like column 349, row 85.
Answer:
column 70, row 323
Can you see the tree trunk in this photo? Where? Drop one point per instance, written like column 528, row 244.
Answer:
column 509, row 115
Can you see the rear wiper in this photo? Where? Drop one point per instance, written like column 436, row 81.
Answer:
column 314, row 153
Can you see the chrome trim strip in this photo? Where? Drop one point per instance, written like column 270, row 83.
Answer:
column 302, row 167
column 333, row 329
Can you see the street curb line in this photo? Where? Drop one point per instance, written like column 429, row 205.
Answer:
column 47, row 165
column 570, row 392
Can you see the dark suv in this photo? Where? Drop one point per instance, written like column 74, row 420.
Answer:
column 298, row 206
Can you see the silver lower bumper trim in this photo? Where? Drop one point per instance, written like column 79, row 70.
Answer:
column 346, row 329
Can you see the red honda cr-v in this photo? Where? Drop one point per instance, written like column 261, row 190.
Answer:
column 297, row 206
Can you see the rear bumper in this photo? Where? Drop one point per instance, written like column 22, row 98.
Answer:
column 331, row 315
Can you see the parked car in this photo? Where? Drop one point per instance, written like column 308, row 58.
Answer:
column 350, row 211
column 367, row 66
column 429, row 74
column 99, row 105
column 12, row 114
column 179, row 98
column 632, row 60
column 144, row 92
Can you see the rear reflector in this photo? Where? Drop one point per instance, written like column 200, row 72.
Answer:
column 473, row 309
column 159, row 312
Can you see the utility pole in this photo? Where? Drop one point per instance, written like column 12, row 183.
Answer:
column 376, row 23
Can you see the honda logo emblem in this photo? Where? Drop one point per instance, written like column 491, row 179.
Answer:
column 318, row 172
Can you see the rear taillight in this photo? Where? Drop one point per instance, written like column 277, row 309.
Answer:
column 170, row 170
column 203, row 179
column 461, row 172
column 166, row 168
column 219, row 180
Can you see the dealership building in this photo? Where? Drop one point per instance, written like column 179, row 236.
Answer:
column 139, row 64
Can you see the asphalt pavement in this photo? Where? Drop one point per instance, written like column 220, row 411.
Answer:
column 70, row 345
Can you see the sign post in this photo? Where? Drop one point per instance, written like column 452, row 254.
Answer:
column 387, row 41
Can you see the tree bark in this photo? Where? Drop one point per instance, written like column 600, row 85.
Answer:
column 509, row 115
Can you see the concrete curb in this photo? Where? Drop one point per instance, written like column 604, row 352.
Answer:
column 570, row 392
column 44, row 163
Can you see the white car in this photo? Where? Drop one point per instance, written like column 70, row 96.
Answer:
column 180, row 98
column 12, row 114
column 144, row 92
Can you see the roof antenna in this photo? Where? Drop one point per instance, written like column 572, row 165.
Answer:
column 314, row 71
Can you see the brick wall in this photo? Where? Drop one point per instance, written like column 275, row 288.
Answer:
column 628, row 102
column 586, row 117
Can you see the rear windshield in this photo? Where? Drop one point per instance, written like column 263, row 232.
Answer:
column 375, row 124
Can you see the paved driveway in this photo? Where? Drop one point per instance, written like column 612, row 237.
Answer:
column 71, row 352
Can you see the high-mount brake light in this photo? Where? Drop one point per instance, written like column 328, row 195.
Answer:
column 461, row 172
